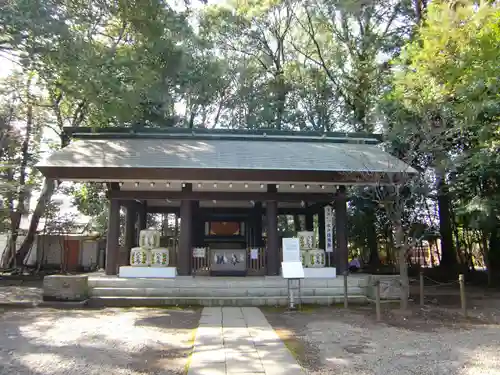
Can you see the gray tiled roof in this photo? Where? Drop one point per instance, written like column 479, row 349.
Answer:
column 226, row 154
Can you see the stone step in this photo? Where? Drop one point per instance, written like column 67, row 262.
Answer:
column 115, row 301
column 216, row 292
column 221, row 282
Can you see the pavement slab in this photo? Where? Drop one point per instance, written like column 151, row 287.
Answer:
column 239, row 341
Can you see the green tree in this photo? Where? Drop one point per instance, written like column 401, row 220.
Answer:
column 451, row 86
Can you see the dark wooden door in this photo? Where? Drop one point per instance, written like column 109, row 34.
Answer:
column 72, row 254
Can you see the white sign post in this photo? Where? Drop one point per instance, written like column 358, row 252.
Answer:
column 291, row 267
column 291, row 250
column 328, row 229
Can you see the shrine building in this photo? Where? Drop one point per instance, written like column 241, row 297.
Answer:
column 226, row 189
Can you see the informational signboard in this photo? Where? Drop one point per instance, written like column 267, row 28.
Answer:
column 328, row 229
column 292, row 270
column 254, row 253
column 199, row 252
column 291, row 250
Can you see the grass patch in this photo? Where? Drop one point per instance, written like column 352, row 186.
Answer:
column 304, row 308
column 296, row 348
column 192, row 336
column 179, row 308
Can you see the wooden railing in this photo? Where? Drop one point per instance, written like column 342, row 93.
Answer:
column 257, row 267
column 201, row 266
column 172, row 246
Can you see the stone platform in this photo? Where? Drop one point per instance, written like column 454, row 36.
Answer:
column 220, row 291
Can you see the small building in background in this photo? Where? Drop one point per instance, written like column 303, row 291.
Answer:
column 69, row 249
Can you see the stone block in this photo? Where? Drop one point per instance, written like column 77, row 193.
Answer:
column 65, row 288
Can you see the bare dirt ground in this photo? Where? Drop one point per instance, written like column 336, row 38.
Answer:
column 435, row 339
column 20, row 292
column 43, row 341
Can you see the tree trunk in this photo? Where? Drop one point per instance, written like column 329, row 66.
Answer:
column 296, row 223
column 403, row 267
column 371, row 238
column 21, row 209
column 448, row 254
column 48, row 188
column 486, row 257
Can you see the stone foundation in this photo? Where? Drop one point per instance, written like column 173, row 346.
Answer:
column 65, row 288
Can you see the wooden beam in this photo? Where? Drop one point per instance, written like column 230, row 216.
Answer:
column 227, row 211
column 221, row 196
column 228, row 175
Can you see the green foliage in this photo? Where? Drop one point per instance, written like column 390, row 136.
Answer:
column 319, row 64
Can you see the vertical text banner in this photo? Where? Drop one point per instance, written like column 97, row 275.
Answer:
column 328, row 229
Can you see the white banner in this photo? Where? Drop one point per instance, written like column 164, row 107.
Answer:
column 328, row 229
column 254, row 254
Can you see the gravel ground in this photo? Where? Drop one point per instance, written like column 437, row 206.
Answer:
column 18, row 292
column 429, row 341
column 84, row 342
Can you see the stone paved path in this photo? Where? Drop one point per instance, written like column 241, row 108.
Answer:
column 233, row 340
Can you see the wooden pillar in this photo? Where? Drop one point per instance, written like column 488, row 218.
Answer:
column 341, row 254
column 272, row 238
column 130, row 219
column 257, row 225
column 321, row 229
column 112, row 241
column 198, row 225
column 309, row 221
column 185, row 241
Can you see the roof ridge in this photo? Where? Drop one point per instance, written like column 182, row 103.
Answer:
column 221, row 134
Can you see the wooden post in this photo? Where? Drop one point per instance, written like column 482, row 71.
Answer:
column 185, row 242
column 461, row 281
column 112, row 241
column 421, row 288
column 257, row 225
column 341, row 252
column 130, row 219
column 321, row 233
column 346, row 302
column 272, row 238
column 197, row 225
column 377, row 301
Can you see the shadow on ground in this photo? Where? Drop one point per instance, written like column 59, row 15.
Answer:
column 108, row 341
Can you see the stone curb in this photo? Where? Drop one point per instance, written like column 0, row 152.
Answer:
column 47, row 304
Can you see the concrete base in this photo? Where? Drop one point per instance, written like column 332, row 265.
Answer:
column 148, row 272
column 320, row 273
column 220, row 291
column 65, row 288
